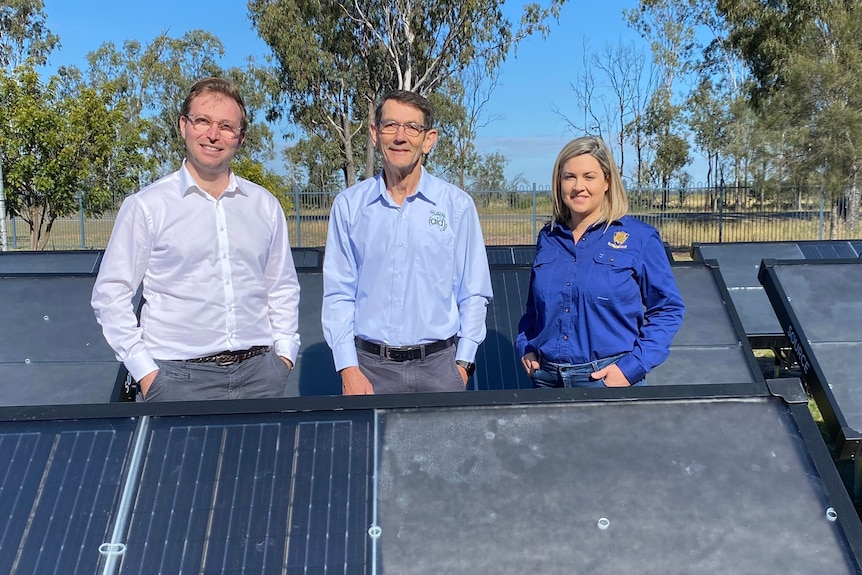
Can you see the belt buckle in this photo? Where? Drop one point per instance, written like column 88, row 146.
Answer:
column 397, row 354
column 225, row 359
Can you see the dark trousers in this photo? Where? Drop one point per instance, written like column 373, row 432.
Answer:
column 261, row 376
column 435, row 372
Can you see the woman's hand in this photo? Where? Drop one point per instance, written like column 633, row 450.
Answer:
column 530, row 361
column 612, row 375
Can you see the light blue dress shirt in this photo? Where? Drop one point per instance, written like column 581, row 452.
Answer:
column 404, row 275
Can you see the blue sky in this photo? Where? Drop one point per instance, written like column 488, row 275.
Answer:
column 532, row 84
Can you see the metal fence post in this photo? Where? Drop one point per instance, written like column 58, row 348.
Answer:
column 534, row 210
column 820, row 216
column 298, row 218
column 720, row 209
column 14, row 234
column 81, row 219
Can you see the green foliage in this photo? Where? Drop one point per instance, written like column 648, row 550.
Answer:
column 24, row 37
column 336, row 58
column 56, row 147
column 260, row 175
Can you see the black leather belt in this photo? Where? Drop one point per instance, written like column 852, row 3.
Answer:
column 406, row 353
column 231, row 357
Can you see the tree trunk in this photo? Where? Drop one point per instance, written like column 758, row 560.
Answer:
column 349, row 163
column 369, row 145
column 853, row 206
column 833, row 221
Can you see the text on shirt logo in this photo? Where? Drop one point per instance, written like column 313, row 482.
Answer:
column 619, row 240
column 438, row 219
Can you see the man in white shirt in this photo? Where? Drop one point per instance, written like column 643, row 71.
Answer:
column 221, row 295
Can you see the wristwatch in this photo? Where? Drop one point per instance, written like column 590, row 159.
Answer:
column 470, row 368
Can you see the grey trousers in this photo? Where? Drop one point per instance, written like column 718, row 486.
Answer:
column 262, row 376
column 436, row 372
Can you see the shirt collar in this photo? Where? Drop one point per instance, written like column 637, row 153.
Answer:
column 189, row 185
column 562, row 227
column 424, row 190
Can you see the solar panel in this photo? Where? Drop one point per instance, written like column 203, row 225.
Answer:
column 518, row 481
column 256, row 494
column 50, row 262
column 629, row 487
column 739, row 264
column 511, row 255
column 58, row 492
column 818, row 303
column 51, row 349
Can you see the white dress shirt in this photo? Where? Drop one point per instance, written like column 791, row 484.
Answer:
column 217, row 274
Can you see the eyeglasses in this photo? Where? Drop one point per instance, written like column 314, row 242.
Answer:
column 201, row 124
column 391, row 127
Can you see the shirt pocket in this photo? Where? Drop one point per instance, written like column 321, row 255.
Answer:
column 613, row 279
column 544, row 270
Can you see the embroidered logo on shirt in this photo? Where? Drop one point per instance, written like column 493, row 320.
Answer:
column 438, row 219
column 619, row 240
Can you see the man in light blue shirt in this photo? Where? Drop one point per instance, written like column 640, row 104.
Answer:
column 405, row 277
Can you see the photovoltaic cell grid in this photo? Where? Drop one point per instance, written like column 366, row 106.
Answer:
column 59, row 492
column 819, row 303
column 511, row 255
column 497, row 366
column 231, row 496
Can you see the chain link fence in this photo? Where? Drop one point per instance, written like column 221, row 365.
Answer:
column 683, row 216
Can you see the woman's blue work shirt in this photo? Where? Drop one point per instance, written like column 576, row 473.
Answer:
column 612, row 293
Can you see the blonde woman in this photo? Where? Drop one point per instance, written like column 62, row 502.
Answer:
column 603, row 305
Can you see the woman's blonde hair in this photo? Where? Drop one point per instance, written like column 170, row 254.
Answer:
column 616, row 203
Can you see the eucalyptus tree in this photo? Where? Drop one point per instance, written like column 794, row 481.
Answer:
column 25, row 39
column 154, row 78
column 336, row 57
column 806, row 63
column 460, row 107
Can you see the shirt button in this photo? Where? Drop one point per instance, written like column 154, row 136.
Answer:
column 568, row 283
column 565, row 337
column 566, row 310
column 396, row 300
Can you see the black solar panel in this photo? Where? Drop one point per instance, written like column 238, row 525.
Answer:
column 631, row 487
column 50, row 262
column 58, row 493
column 308, row 259
column 739, row 264
column 529, row 481
column 51, row 349
column 827, row 250
column 819, row 305
column 497, row 365
column 511, row 255
column 265, row 494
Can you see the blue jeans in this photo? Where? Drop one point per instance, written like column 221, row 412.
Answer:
column 552, row 374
